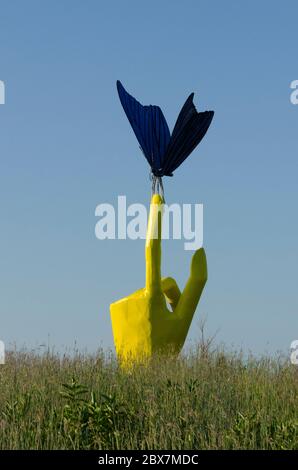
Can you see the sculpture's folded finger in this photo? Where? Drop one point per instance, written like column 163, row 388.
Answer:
column 171, row 291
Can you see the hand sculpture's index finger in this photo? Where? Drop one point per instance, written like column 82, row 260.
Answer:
column 153, row 244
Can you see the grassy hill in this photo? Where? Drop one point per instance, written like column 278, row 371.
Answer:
column 208, row 400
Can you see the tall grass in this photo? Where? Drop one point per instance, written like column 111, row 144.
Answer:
column 207, row 400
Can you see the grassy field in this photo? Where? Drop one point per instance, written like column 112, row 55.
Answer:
column 208, row 400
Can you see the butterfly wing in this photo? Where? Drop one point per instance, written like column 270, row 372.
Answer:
column 189, row 130
column 149, row 126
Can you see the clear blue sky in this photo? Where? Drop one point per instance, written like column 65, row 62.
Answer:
column 66, row 146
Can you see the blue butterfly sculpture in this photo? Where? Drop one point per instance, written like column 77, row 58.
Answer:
column 163, row 151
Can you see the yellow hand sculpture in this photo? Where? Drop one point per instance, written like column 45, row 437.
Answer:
column 141, row 322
